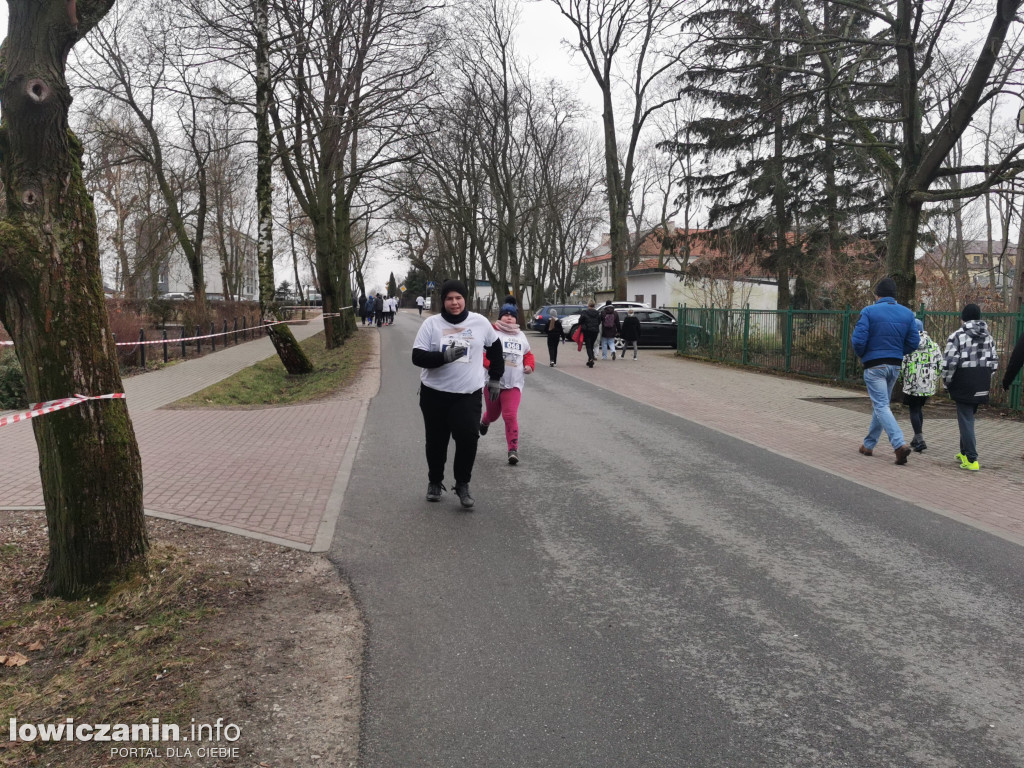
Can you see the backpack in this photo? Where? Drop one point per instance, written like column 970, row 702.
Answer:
column 609, row 319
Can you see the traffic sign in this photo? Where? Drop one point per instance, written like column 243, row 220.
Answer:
column 431, row 285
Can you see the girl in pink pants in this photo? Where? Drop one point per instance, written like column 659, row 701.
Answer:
column 519, row 362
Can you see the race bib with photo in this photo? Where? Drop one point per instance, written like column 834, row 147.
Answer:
column 458, row 340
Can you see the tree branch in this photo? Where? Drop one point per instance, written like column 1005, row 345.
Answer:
column 89, row 13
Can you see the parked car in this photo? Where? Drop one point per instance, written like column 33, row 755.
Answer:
column 658, row 328
column 570, row 322
column 175, row 297
column 539, row 322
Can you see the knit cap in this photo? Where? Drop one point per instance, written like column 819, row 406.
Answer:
column 886, row 288
column 453, row 286
column 971, row 312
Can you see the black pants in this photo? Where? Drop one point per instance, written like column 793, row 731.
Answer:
column 553, row 342
column 588, row 341
column 915, row 406
column 449, row 415
column 965, row 420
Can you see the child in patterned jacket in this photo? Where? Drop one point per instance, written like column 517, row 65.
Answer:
column 970, row 361
column 920, row 374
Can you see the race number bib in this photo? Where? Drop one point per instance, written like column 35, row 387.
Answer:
column 512, row 352
column 458, row 340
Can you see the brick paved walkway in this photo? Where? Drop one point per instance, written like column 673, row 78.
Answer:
column 775, row 413
column 276, row 473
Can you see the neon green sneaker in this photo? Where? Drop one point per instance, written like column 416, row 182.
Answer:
column 961, row 458
column 971, row 465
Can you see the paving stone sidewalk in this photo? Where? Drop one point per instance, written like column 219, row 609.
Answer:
column 787, row 416
column 274, row 473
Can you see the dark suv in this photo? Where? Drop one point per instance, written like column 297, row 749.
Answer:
column 659, row 328
column 539, row 320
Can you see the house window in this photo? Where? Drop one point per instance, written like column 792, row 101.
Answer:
column 639, row 297
column 654, row 300
column 977, row 258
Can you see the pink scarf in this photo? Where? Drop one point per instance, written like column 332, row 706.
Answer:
column 504, row 327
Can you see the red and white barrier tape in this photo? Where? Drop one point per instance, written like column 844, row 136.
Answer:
column 50, row 406
column 195, row 338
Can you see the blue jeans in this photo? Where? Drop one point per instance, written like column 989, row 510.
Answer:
column 880, row 380
column 607, row 345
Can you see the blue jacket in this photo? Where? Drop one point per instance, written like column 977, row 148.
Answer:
column 885, row 331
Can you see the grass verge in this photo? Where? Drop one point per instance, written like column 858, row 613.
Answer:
column 123, row 658
column 142, row 651
column 268, row 383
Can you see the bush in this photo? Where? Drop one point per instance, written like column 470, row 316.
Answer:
column 12, row 381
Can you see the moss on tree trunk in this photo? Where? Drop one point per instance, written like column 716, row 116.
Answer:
column 51, row 301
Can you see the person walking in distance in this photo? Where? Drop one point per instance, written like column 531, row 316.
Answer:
column 519, row 363
column 630, row 332
column 970, row 360
column 1014, row 364
column 920, row 374
column 610, row 327
column 450, row 348
column 554, row 332
column 378, row 310
column 590, row 324
column 884, row 334
column 419, row 303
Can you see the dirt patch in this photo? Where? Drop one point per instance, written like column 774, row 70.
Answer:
column 267, row 638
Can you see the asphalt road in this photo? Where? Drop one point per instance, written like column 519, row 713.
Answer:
column 642, row 591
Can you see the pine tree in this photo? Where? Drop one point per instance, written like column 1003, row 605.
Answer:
column 776, row 175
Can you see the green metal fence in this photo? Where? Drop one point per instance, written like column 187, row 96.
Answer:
column 817, row 342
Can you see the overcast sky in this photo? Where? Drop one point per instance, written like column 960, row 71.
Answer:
column 541, row 32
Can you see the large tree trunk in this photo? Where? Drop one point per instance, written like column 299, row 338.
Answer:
column 51, row 301
column 904, row 219
column 618, row 201
column 288, row 349
column 334, row 329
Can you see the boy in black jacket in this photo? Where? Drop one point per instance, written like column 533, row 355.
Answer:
column 970, row 361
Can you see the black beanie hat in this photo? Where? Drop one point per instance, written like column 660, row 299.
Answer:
column 886, row 287
column 971, row 312
column 456, row 286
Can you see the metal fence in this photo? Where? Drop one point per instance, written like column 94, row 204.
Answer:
column 817, row 342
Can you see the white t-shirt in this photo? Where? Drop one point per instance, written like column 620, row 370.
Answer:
column 419, row 301
column 462, row 375
column 514, row 347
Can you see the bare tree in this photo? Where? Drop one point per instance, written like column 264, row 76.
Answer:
column 51, row 302
column 351, row 94
column 899, row 59
column 130, row 209
column 135, row 60
column 626, row 34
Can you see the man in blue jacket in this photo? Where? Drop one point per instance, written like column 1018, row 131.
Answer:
column 884, row 333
